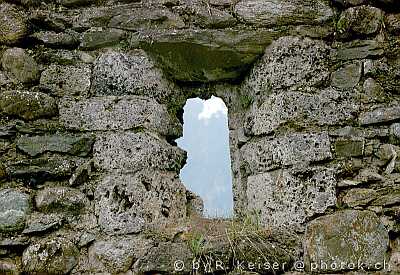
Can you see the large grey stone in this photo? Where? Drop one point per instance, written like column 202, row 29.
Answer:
column 286, row 198
column 60, row 199
column 292, row 149
column 69, row 39
column 328, row 107
column 362, row 20
column 13, row 22
column 27, row 105
column 21, row 66
column 380, row 115
column 203, row 56
column 50, row 256
column 14, row 209
column 118, row 113
column 277, row 13
column 94, row 39
column 39, row 223
column 134, row 151
column 41, row 169
column 125, row 203
column 359, row 197
column 117, row 254
column 346, row 237
column 66, row 80
column 357, row 49
column 289, row 62
column 163, row 257
column 146, row 18
column 348, row 76
column 132, row 73
column 70, row 144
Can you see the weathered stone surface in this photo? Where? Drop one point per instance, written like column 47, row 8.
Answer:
column 346, row 237
column 27, row 105
column 75, row 3
column 395, row 133
column 206, row 16
column 146, row 18
column 14, row 208
column 267, row 154
column 393, row 198
column 380, row 115
column 20, row 66
column 362, row 20
column 373, row 92
column 289, row 62
column 57, row 40
column 66, row 80
column 60, row 199
column 94, row 39
column 349, row 148
column 69, row 144
column 129, row 74
column 134, row 151
column 328, row 107
column 359, row 197
column 50, row 256
column 118, row 113
column 357, row 49
column 194, row 205
column 348, row 76
column 118, row 254
column 13, row 22
column 206, row 55
column 287, row 198
column 39, row 223
column 125, row 203
column 40, row 169
column 160, row 258
column 393, row 23
column 277, row 13
column 3, row 172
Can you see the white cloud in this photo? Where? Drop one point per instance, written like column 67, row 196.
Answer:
column 213, row 107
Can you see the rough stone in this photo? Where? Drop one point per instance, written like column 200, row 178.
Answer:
column 9, row 267
column 346, row 237
column 50, row 256
column 20, row 65
column 75, row 3
column 393, row 23
column 38, row 170
column 94, row 39
column 118, row 113
column 303, row 109
column 387, row 200
column 53, row 39
column 359, row 197
column 133, row 151
column 27, row 105
column 362, row 20
column 14, row 24
column 3, row 172
column 40, row 223
column 118, row 254
column 66, row 80
column 129, row 74
column 277, row 13
column 204, row 56
column 373, row 92
column 206, row 16
column 125, row 203
column 60, row 199
column 289, row 62
column 14, row 208
column 194, row 205
column 267, row 154
column 69, row 144
column 357, row 49
column 380, row 115
column 146, row 18
column 348, row 76
column 395, row 133
column 160, row 258
column 287, row 199
column 349, row 148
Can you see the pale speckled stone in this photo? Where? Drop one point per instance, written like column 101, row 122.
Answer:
column 287, row 199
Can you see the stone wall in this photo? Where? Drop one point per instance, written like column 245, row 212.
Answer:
column 91, row 102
